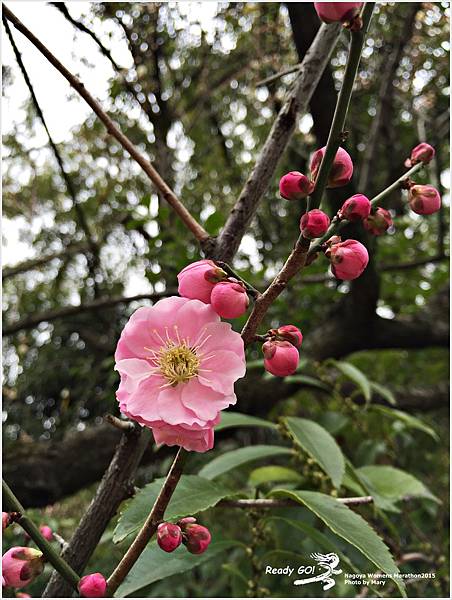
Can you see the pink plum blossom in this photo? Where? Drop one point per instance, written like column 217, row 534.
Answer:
column 21, row 565
column 314, row 223
column 92, row 586
column 178, row 364
column 424, row 199
column 197, row 280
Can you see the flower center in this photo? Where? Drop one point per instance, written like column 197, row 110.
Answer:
column 178, row 364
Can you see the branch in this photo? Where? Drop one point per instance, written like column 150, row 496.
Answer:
column 258, row 181
column 35, row 263
column 189, row 221
column 151, row 523
column 12, row 504
column 115, row 486
column 269, row 503
column 69, row 311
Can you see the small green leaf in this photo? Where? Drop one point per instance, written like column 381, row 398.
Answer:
column 308, row 381
column 235, row 419
column 320, row 445
column 394, row 484
column 273, row 473
column 384, row 392
column 350, row 526
column 355, row 375
column 236, row 458
column 192, row 495
column 408, row 420
column 154, row 564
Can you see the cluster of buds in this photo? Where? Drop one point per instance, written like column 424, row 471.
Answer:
column 204, row 280
column 281, row 356
column 348, row 259
column 196, row 538
column 92, row 586
column 346, row 13
column 21, row 565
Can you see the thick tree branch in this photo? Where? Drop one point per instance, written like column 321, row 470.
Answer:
column 297, row 102
column 69, row 311
column 189, row 221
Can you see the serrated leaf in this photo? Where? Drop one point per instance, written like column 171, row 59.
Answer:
column 355, row 375
column 236, row 458
column 350, row 526
column 320, row 445
column 192, row 495
column 273, row 473
column 394, row 484
column 235, row 419
column 409, row 420
column 154, row 565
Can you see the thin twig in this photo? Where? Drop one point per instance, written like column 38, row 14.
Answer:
column 276, row 76
column 58, row 563
column 150, row 525
column 283, row 503
column 69, row 311
column 189, row 221
column 120, row 424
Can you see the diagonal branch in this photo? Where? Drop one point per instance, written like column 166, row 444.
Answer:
column 189, row 221
column 69, row 311
column 310, row 71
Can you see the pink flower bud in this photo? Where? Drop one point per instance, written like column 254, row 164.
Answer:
column 290, row 333
column 341, row 171
column 92, row 586
column 23, row 595
column 280, row 358
column 21, row 565
column 378, row 222
column 5, row 520
column 424, row 199
column 196, row 281
column 169, row 536
column 229, row 299
column 196, row 538
column 314, row 223
column 356, row 208
column 46, row 532
column 295, row 186
column 186, row 521
column 421, row 153
column 348, row 259
column 329, row 12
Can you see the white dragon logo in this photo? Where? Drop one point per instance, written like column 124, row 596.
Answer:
column 329, row 562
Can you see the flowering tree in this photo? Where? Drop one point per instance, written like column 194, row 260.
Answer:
column 179, row 362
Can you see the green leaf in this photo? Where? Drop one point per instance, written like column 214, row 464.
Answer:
column 230, row 460
column 409, row 420
column 350, row 526
column 394, row 484
column 355, row 375
column 192, row 495
column 320, row 445
column 273, row 473
column 384, row 392
column 309, row 381
column 235, row 419
column 154, row 565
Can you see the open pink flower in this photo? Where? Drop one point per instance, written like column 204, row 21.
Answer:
column 178, row 364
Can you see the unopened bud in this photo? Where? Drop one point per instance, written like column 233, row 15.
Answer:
column 348, row 259
column 92, row 586
column 169, row 536
column 289, row 333
column 5, row 520
column 229, row 299
column 295, row 186
column 196, row 538
column 281, row 358
column 46, row 532
column 196, row 281
column 421, row 153
column 21, row 565
column 378, row 222
column 314, row 223
column 355, row 208
column 341, row 170
column 186, row 521
column 331, row 12
column 424, row 199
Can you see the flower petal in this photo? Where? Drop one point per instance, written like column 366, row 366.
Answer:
column 203, row 401
column 220, row 370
